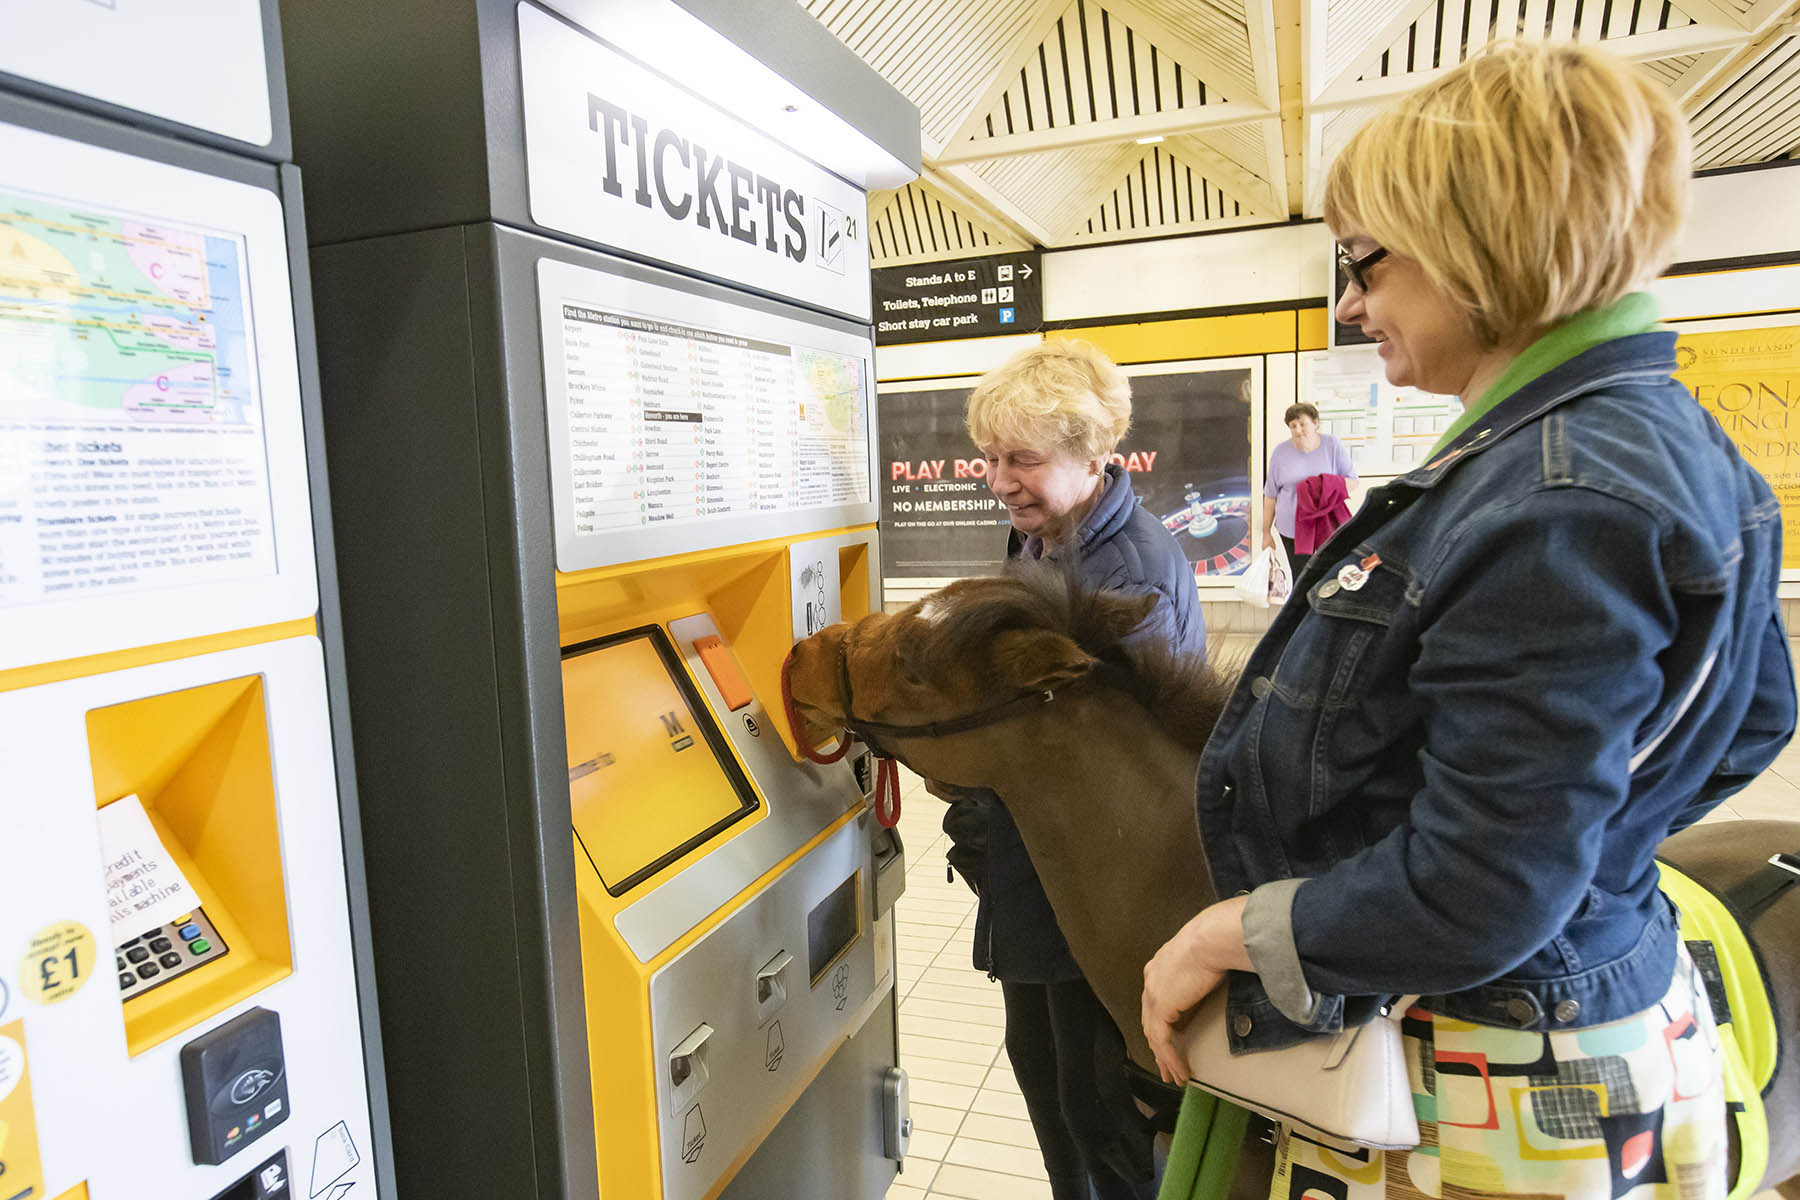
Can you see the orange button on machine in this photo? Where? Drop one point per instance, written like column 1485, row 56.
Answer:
column 719, row 663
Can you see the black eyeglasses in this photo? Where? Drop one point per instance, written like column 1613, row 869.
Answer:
column 1357, row 268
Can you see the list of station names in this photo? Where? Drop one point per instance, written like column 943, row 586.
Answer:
column 671, row 423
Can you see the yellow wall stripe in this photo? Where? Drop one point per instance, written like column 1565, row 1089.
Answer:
column 119, row 660
column 1195, row 337
column 1315, row 328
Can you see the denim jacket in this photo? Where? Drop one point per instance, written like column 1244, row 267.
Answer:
column 1451, row 777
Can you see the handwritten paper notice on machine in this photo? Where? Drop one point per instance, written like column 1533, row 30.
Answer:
column 144, row 887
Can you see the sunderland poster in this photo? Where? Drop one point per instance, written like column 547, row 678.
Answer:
column 1187, row 455
column 1750, row 380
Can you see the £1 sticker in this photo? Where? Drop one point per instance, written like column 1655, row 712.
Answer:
column 57, row 962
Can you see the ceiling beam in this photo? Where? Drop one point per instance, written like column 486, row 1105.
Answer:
column 1264, row 62
column 1122, row 129
column 1031, row 36
column 1290, row 60
column 1709, row 79
column 1172, row 230
column 966, row 187
column 1209, row 70
column 1249, row 189
column 1711, row 12
column 1639, row 47
column 1100, row 184
column 1374, row 44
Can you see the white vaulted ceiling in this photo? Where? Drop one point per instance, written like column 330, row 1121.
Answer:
column 1072, row 122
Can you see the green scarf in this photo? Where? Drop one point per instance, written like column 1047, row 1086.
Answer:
column 1203, row 1158
column 1634, row 313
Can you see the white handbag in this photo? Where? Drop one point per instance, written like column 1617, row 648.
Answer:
column 1350, row 1088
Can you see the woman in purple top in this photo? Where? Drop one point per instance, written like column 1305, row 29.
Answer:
column 1307, row 453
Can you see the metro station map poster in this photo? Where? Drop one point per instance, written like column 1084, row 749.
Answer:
column 1750, row 380
column 1187, row 453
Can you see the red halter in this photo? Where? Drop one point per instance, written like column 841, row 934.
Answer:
column 887, row 773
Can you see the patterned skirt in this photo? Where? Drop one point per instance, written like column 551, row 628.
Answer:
column 1632, row 1110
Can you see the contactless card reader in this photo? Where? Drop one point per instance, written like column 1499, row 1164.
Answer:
column 236, row 1083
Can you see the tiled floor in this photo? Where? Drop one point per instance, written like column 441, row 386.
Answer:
column 971, row 1139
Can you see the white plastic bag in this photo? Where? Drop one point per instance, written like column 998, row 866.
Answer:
column 1267, row 580
column 1281, row 575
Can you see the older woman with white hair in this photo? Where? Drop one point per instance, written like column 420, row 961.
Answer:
column 1520, row 667
column 1047, row 423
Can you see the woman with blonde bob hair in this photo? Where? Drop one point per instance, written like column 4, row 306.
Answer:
column 1510, row 676
column 1047, row 423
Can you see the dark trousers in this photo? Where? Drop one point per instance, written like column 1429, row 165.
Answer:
column 1050, row 1037
column 1296, row 560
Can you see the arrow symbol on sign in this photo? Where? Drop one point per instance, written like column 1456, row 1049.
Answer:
column 1024, row 270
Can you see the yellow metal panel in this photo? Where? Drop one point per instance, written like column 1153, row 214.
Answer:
column 745, row 588
column 620, row 1061
column 853, row 581
column 1315, row 327
column 24, row 1174
column 1195, row 337
column 118, row 660
column 199, row 760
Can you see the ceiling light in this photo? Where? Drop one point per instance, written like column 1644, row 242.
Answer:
column 1150, row 141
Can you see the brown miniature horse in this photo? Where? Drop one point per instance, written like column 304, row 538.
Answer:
column 1094, row 753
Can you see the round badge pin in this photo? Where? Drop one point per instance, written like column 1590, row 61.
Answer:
column 1351, row 577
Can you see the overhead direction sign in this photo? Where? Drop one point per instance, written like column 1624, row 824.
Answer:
column 966, row 297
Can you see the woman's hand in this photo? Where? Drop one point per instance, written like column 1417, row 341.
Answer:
column 1184, row 971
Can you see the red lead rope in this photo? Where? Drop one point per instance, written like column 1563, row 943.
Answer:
column 887, row 792
column 887, row 772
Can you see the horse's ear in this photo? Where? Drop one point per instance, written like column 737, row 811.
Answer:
column 1033, row 660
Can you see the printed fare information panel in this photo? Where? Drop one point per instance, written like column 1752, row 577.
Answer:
column 131, row 405
column 681, row 422
column 150, row 439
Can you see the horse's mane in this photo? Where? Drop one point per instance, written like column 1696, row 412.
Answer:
column 1184, row 692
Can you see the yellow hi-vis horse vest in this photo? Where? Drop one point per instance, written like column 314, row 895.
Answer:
column 1747, row 1033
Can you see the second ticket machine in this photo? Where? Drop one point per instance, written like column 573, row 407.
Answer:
column 187, row 1009
column 595, row 335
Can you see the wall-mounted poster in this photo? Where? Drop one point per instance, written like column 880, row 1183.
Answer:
column 1188, row 455
column 1388, row 430
column 938, row 520
column 1750, row 379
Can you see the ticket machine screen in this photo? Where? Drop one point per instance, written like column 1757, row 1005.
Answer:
column 650, row 775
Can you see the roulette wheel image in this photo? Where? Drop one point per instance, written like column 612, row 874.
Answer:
column 1213, row 532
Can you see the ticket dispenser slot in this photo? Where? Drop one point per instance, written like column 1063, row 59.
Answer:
column 688, row 1073
column 772, row 986
column 890, row 869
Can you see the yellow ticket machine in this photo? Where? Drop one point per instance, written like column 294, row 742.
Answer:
column 598, row 375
